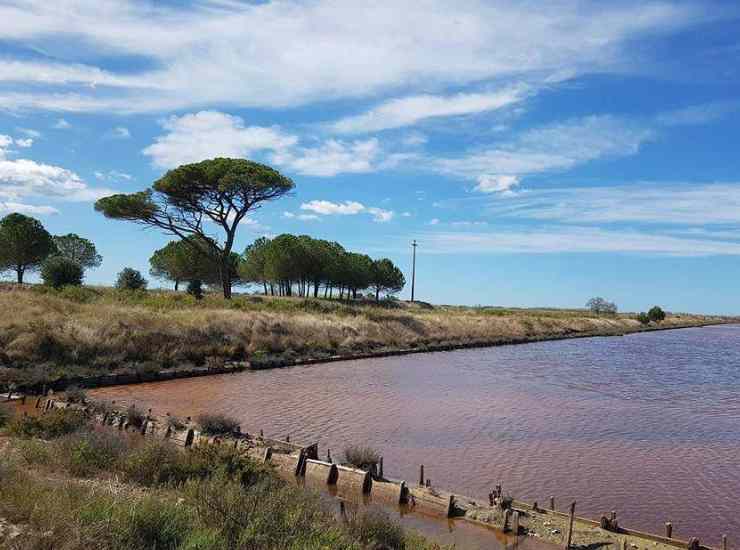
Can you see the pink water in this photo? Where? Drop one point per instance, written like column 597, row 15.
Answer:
column 647, row 425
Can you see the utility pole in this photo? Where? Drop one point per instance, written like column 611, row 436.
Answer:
column 413, row 269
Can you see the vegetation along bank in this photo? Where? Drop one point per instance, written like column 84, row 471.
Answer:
column 55, row 334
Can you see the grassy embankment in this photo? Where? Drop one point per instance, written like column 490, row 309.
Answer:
column 67, row 484
column 47, row 334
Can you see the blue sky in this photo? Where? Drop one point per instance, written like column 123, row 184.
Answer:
column 540, row 152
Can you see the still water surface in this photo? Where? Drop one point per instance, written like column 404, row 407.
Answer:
column 647, row 424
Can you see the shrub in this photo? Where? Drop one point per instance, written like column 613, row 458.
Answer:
column 135, row 417
column 75, row 394
column 644, row 318
column 364, row 458
column 130, row 279
column 87, row 452
column 195, row 289
column 53, row 424
column 217, row 424
column 58, row 272
column 656, row 314
column 175, row 423
column 5, row 416
column 377, row 530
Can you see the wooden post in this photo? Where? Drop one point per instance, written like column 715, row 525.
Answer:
column 421, row 475
column 287, row 439
column 328, row 456
column 569, row 536
column 429, row 482
column 380, row 473
column 552, row 503
column 724, row 542
column 515, row 523
column 668, row 530
column 507, row 515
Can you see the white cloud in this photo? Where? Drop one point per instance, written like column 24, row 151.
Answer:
column 113, row 176
column 207, row 134
column 302, row 217
column 120, row 132
column 554, row 147
column 347, row 208
column 434, row 221
column 35, row 134
column 327, row 207
column 496, row 183
column 27, row 178
column 29, row 209
column 406, row 214
column 331, row 158
column 414, row 138
column 697, row 114
column 644, row 202
column 407, row 111
column 199, row 54
column 24, row 142
column 559, row 239
column 61, row 124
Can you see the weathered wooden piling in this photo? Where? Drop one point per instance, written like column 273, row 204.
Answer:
column 668, row 530
column 552, row 503
column 515, row 523
column 724, row 542
column 569, row 536
column 421, row 475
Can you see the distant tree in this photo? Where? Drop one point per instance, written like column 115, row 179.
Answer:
column 386, row 277
column 24, row 244
column 130, row 279
column 252, row 266
column 180, row 261
column 77, row 249
column 600, row 306
column 58, row 271
column 186, row 200
column 195, row 289
column 656, row 314
column 644, row 318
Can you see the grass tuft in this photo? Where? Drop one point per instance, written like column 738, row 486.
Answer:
column 217, row 424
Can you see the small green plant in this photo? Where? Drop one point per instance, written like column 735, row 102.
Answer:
column 376, row 530
column 175, row 423
column 53, row 424
column 135, row 417
column 656, row 314
column 75, row 394
column 58, row 272
column 5, row 417
column 130, row 279
column 195, row 289
column 217, row 424
column 644, row 318
column 364, row 458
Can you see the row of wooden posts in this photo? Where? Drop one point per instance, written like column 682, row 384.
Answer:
column 424, row 495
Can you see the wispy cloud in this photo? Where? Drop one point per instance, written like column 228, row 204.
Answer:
column 548, row 148
column 642, row 202
column 559, row 239
column 406, row 111
column 366, row 49
column 698, row 114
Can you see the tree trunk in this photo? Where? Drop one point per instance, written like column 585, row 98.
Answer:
column 264, row 284
column 19, row 273
column 177, row 285
column 377, row 294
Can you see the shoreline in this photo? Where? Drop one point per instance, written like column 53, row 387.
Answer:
column 130, row 378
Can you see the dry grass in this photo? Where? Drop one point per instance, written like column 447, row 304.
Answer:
column 86, row 330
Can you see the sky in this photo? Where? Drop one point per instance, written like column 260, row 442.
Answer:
column 541, row 153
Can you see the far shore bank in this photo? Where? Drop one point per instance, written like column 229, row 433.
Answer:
column 96, row 337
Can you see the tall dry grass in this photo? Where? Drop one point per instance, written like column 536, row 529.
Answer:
column 46, row 333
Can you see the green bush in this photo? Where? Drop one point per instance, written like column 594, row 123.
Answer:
column 644, row 318
column 130, row 279
column 58, row 272
column 135, row 417
column 217, row 424
column 377, row 530
column 195, row 289
column 364, row 458
column 53, row 424
column 75, row 394
column 656, row 314
column 5, row 416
